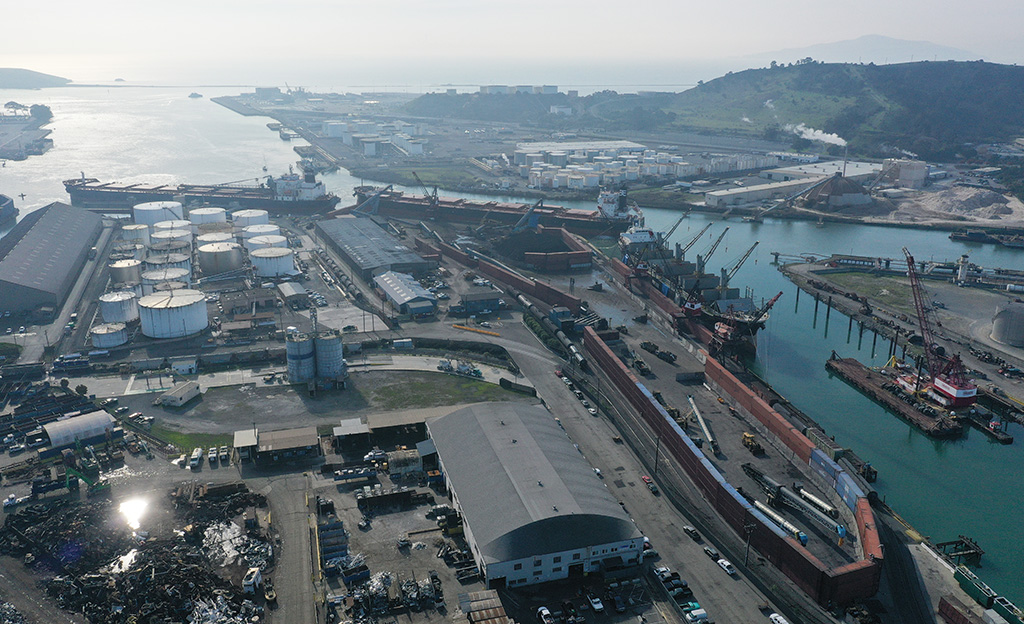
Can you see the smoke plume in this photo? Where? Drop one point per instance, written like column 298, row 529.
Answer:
column 812, row 134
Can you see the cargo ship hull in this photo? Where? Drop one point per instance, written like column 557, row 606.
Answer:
column 117, row 198
column 456, row 210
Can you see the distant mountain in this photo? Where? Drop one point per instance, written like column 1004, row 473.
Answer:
column 13, row 78
column 876, row 49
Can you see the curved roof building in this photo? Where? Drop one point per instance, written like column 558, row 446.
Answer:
column 64, row 432
column 527, row 496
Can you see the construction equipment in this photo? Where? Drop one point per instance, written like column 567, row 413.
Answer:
column 752, row 444
column 647, row 345
column 949, row 383
column 527, row 221
column 667, row 356
column 370, row 204
column 95, row 487
column 641, row 367
column 432, row 196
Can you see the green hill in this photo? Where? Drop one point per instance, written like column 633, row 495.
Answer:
column 14, row 78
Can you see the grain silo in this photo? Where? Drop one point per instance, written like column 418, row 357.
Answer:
column 217, row 258
column 150, row 213
column 301, row 355
column 109, row 335
column 330, row 361
column 136, row 233
column 245, row 218
column 167, row 261
column 173, row 314
column 125, row 271
column 267, row 240
column 1008, row 324
column 272, row 262
column 173, row 224
column 121, row 306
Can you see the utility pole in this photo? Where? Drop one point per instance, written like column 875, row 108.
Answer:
column 748, row 529
column 657, row 454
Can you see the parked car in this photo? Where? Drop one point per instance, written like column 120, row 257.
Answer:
column 692, row 532
column 544, row 616
column 711, row 552
column 777, row 619
column 726, row 565
column 595, row 603
column 620, row 604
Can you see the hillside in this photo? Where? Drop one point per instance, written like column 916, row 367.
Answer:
column 14, row 78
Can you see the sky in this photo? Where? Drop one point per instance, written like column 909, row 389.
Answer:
column 422, row 42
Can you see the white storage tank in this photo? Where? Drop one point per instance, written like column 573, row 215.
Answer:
column 166, row 286
column 168, row 261
column 155, row 276
column 269, row 240
column 173, row 314
column 209, row 228
column 207, row 214
column 127, row 251
column 151, row 213
column 272, row 261
column 245, row 218
column 216, row 258
column 161, row 236
column 301, row 355
column 109, row 335
column 1008, row 324
column 121, row 306
column 330, row 361
column 125, row 271
column 264, row 229
column 173, row 224
column 133, row 287
column 214, row 237
column 136, row 233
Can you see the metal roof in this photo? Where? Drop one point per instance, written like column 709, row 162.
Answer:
column 291, row 289
column 402, row 288
column 246, row 438
column 481, row 294
column 352, row 426
column 367, row 244
column 42, row 251
column 288, row 439
column 64, row 432
column 551, row 500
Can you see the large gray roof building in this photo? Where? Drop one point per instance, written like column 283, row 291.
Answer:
column 534, row 510
column 368, row 248
column 41, row 257
column 405, row 293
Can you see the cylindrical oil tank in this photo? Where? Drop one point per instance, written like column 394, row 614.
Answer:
column 245, row 218
column 166, row 286
column 207, row 214
column 125, row 271
column 120, row 306
column 263, row 229
column 168, row 261
column 173, row 224
column 126, row 250
column 272, row 261
column 171, row 274
column 150, row 213
column 1008, row 324
column 301, row 355
column 109, row 335
column 268, row 240
column 171, row 246
column 209, row 228
column 330, row 362
column 136, row 233
column 217, row 258
column 214, row 237
column 173, row 314
column 133, row 287
column 160, row 236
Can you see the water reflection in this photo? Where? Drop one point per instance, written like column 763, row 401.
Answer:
column 133, row 509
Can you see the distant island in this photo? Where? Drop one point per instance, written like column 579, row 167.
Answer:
column 15, row 78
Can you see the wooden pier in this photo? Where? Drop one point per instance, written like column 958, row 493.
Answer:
column 871, row 384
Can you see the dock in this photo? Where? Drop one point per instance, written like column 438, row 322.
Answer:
column 982, row 424
column 872, row 384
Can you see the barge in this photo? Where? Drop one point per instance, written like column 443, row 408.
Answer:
column 287, row 194
column 884, row 391
column 614, row 212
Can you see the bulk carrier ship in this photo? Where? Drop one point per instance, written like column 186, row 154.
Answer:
column 614, row 214
column 287, row 194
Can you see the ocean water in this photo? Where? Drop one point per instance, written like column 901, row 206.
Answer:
column 970, row 486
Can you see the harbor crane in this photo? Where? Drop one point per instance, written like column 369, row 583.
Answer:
column 686, row 247
column 370, row 204
column 702, row 261
column 527, row 220
column 727, row 277
column 672, row 229
column 949, row 383
column 432, row 196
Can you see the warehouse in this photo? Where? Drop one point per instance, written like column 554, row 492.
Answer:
column 87, row 428
column 275, row 447
column 41, row 257
column 534, row 511
column 480, row 301
column 406, row 294
column 368, row 249
column 293, row 294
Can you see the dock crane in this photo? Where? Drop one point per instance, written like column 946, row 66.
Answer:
column 786, row 202
column 370, row 204
column 527, row 220
column 685, row 248
column 727, row 277
column 672, row 230
column 432, row 196
column 702, row 261
column 949, row 383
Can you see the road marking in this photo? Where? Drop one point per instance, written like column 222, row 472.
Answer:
column 128, row 388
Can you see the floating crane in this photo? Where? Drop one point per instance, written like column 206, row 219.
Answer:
column 949, row 383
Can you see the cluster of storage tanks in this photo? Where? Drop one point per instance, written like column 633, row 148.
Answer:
column 152, row 268
column 315, row 356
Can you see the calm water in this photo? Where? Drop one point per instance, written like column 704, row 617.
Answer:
column 970, row 487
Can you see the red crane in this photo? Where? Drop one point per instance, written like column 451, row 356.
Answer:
column 949, row 383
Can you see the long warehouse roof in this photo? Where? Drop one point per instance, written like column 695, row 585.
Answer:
column 523, row 487
column 40, row 252
column 368, row 244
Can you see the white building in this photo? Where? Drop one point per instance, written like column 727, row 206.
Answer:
column 532, row 507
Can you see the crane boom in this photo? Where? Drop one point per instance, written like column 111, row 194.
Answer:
column 926, row 331
column 672, row 229
column 711, row 251
column 736, row 268
column 426, row 191
column 695, row 238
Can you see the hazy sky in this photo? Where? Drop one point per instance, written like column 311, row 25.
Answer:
column 423, row 42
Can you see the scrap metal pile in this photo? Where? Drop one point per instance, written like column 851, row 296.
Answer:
column 100, row 568
column 10, row 615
